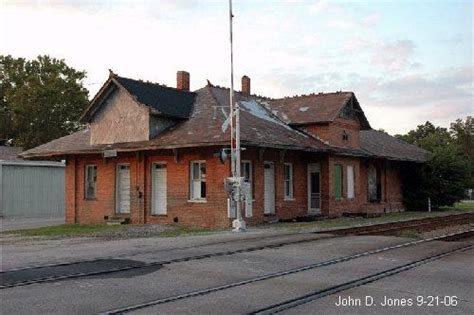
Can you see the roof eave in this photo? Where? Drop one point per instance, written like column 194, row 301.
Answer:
column 85, row 115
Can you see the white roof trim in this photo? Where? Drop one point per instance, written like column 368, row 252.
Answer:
column 32, row 163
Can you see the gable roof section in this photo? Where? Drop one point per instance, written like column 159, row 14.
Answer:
column 380, row 144
column 162, row 100
column 261, row 127
column 316, row 108
column 10, row 153
column 203, row 128
column 166, row 100
column 264, row 124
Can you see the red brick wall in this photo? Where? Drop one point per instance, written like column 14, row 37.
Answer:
column 81, row 210
column 339, row 206
column 332, row 132
column 391, row 188
column 70, row 190
column 213, row 212
column 284, row 209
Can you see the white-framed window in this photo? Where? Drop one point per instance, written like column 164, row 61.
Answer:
column 198, row 180
column 350, row 181
column 288, row 180
column 90, row 181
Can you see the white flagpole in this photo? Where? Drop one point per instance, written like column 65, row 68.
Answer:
column 231, row 111
column 238, row 224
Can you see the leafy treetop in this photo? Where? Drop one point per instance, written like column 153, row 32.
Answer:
column 40, row 100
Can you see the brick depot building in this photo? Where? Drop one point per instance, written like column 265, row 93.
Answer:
column 149, row 154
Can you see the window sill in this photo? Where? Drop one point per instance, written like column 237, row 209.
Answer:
column 158, row 215
column 338, row 199
column 90, row 199
column 289, row 199
column 375, row 201
column 198, row 200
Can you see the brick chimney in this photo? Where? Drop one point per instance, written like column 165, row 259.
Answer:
column 245, row 85
column 182, row 80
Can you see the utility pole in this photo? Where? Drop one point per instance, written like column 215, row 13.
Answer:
column 238, row 224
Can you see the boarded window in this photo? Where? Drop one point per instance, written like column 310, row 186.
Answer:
column 374, row 184
column 198, row 180
column 350, row 181
column 159, row 189
column 288, row 180
column 338, row 181
column 90, row 181
column 248, row 189
column 247, row 173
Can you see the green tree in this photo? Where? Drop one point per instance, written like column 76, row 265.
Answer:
column 428, row 136
column 41, row 99
column 445, row 177
column 462, row 133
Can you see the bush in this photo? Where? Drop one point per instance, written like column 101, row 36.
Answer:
column 443, row 179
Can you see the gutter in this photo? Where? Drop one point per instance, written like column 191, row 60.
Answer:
column 31, row 163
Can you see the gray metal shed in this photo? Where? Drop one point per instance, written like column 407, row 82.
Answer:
column 31, row 189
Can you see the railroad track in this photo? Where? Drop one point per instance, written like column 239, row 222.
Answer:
column 312, row 295
column 418, row 224
column 318, row 294
column 142, row 252
column 7, row 278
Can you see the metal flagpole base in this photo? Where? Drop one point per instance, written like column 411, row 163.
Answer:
column 238, row 225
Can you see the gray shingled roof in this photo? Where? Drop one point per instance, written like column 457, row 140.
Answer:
column 166, row 100
column 311, row 108
column 316, row 108
column 380, row 144
column 10, row 153
column 203, row 128
column 163, row 100
column 208, row 110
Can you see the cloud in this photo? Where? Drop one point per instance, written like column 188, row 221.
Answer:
column 396, row 105
column 391, row 56
column 452, row 85
column 318, row 6
column 395, row 55
column 328, row 47
column 371, row 20
column 344, row 20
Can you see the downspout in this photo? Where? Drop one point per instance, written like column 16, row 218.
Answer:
column 385, row 188
column 1, row 192
column 75, row 189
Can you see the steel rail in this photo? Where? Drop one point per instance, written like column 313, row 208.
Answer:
column 206, row 291
column 358, row 230
column 182, row 259
column 398, row 225
column 149, row 251
column 292, row 303
column 152, row 264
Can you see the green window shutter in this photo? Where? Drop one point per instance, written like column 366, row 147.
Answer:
column 338, row 181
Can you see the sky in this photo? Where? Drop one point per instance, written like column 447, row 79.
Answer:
column 406, row 61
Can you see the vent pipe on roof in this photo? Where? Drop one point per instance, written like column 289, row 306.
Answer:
column 182, row 80
column 245, row 85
